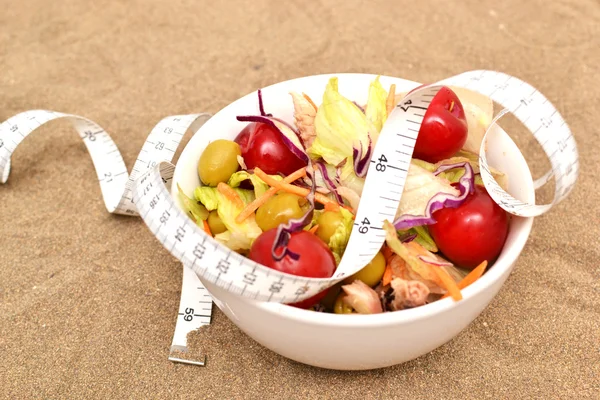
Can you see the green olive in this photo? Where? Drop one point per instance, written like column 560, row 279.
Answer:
column 215, row 224
column 328, row 223
column 372, row 273
column 279, row 209
column 218, row 162
column 340, row 307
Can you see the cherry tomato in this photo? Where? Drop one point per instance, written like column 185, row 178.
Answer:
column 262, row 146
column 473, row 232
column 444, row 128
column 316, row 260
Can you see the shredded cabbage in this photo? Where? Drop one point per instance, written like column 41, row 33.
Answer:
column 339, row 240
column 349, row 179
column 423, row 237
column 420, row 186
column 416, row 268
column 260, row 187
column 376, row 110
column 238, row 236
column 339, row 125
column 197, row 211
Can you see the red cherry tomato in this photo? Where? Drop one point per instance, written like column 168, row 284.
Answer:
column 444, row 128
column 473, row 232
column 316, row 260
column 262, row 147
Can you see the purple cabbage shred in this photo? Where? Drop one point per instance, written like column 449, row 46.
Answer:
column 284, row 231
column 466, row 185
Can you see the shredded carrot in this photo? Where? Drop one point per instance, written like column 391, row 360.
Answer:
column 387, row 274
column 348, row 208
column 312, row 103
column 313, row 230
column 391, row 99
column 475, row 274
column 292, row 189
column 206, row 227
column 259, row 201
column 331, row 207
column 387, row 252
column 228, row 192
column 448, row 283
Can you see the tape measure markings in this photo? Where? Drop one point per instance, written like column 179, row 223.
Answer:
column 115, row 182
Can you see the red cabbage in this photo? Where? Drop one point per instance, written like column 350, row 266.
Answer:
column 409, row 237
column 329, row 183
column 284, row 231
column 466, row 185
column 359, row 107
column 361, row 163
column 435, row 262
column 261, row 106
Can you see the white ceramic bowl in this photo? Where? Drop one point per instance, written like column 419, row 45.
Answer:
column 356, row 342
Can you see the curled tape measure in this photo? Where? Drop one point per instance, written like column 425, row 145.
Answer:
column 146, row 191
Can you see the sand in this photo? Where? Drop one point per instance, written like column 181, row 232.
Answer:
column 88, row 300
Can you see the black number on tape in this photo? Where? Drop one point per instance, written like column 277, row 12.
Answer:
column 406, row 105
column 526, row 102
column 189, row 314
column 199, row 251
column 276, row 287
column 108, row 177
column 91, row 136
column 363, row 228
column 159, row 146
column 180, row 233
column 562, row 145
column 154, row 201
column 1, row 143
column 164, row 217
column 301, row 290
column 223, row 266
column 14, row 128
column 381, row 164
column 151, row 164
column 147, row 188
column 168, row 130
column 546, row 122
column 249, row 278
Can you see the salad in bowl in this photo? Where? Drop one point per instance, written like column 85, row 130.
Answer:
column 277, row 176
column 285, row 195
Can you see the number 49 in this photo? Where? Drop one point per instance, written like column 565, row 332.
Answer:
column 363, row 228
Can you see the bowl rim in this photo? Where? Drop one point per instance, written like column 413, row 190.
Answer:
column 491, row 276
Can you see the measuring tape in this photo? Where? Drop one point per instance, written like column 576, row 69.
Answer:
column 146, row 192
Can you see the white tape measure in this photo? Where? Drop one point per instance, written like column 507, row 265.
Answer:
column 146, row 191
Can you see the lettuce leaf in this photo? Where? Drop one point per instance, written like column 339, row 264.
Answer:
column 453, row 175
column 339, row 125
column 339, row 240
column 197, row 211
column 423, row 237
column 238, row 236
column 420, row 186
column 349, row 178
column 260, row 187
column 376, row 110
column 207, row 196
